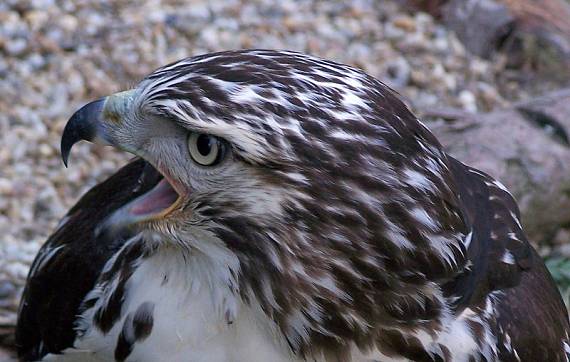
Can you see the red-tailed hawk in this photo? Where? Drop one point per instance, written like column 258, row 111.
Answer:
column 284, row 208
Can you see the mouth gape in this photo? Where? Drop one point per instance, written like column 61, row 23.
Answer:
column 160, row 197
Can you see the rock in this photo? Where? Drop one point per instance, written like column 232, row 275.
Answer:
column 7, row 289
column 479, row 24
column 406, row 23
column 467, row 101
column 398, row 72
column 537, row 173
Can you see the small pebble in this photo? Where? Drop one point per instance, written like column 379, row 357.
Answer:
column 468, row 101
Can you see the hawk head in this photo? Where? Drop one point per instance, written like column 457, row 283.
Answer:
column 322, row 195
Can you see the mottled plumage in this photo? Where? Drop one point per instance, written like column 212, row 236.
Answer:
column 330, row 226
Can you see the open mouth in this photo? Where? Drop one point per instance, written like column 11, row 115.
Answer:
column 159, row 198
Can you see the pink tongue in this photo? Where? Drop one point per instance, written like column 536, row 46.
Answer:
column 156, row 200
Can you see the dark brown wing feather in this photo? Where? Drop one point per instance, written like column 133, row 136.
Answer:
column 534, row 317
column 493, row 216
column 53, row 295
column 529, row 315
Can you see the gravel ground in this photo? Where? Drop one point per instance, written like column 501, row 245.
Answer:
column 57, row 55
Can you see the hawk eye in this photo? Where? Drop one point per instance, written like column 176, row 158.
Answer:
column 206, row 150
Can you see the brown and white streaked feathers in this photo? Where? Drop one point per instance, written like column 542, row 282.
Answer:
column 334, row 228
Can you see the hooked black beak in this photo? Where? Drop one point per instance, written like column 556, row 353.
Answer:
column 101, row 122
column 82, row 125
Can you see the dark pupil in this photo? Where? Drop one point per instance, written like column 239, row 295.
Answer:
column 204, row 144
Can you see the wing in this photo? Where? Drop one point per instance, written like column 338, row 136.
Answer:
column 527, row 314
column 531, row 319
column 498, row 250
column 68, row 264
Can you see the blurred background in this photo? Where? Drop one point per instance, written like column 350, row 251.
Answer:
column 491, row 78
